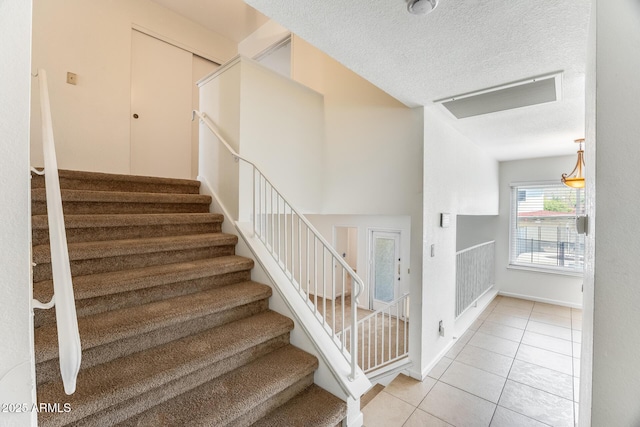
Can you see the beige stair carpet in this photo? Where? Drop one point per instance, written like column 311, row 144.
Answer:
column 173, row 330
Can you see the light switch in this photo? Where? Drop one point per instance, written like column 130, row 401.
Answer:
column 72, row 78
column 445, row 220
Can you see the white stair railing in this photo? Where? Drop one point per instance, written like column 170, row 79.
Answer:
column 475, row 271
column 383, row 335
column 319, row 274
column 70, row 351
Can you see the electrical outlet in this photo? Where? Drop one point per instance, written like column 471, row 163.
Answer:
column 440, row 329
column 72, row 78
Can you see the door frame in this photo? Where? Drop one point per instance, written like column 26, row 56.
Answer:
column 176, row 43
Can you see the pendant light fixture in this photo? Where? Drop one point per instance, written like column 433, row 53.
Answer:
column 575, row 179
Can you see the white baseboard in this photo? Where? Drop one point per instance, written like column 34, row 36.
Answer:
column 420, row 376
column 357, row 421
column 538, row 299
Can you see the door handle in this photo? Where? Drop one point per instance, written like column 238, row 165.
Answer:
column 135, row 116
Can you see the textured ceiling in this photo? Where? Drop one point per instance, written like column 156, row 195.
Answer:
column 462, row 46
column 231, row 18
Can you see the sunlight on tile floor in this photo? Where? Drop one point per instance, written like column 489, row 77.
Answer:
column 517, row 366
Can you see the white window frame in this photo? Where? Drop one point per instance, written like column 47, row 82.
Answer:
column 512, row 264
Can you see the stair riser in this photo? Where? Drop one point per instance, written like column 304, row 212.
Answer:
column 119, row 412
column 48, row 370
column 83, row 207
column 270, row 404
column 111, row 185
column 102, row 265
column 120, row 300
column 77, row 235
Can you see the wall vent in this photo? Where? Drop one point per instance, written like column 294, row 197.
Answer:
column 523, row 93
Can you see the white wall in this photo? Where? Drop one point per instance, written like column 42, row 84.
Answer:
column 546, row 287
column 270, row 120
column 93, row 39
column 16, row 325
column 282, row 129
column 373, row 149
column 460, row 179
column 616, row 340
column 472, row 230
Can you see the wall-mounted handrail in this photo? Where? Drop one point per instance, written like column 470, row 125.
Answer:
column 70, row 351
column 292, row 241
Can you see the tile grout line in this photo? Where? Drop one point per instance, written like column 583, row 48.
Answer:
column 508, row 373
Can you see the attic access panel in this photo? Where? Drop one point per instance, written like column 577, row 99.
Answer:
column 533, row 91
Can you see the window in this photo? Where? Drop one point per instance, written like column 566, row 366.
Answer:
column 543, row 227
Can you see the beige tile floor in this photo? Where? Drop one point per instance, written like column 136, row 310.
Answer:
column 517, row 366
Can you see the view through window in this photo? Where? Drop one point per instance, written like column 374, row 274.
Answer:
column 543, row 227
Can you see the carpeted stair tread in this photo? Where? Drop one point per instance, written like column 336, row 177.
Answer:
column 228, row 398
column 107, row 327
column 101, row 284
column 113, row 382
column 117, row 182
column 107, row 248
column 313, row 407
column 39, row 195
column 96, row 227
column 113, row 202
column 127, row 220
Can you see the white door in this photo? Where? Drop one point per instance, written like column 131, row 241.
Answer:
column 161, row 102
column 385, row 268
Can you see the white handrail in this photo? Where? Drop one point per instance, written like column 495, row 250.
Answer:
column 70, row 352
column 470, row 248
column 265, row 228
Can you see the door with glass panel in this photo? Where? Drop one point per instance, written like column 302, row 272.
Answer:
column 385, row 268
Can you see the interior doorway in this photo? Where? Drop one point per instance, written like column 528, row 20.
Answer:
column 346, row 244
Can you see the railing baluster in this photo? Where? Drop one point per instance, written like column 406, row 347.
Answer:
column 369, row 345
column 253, row 198
column 273, row 224
column 315, row 272
column 333, row 295
column 344, row 323
column 308, row 269
column 397, row 330
column 324, row 289
column 300, row 251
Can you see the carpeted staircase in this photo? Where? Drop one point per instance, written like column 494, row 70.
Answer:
column 173, row 330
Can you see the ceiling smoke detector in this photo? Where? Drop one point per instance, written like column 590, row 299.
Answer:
column 421, row 7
